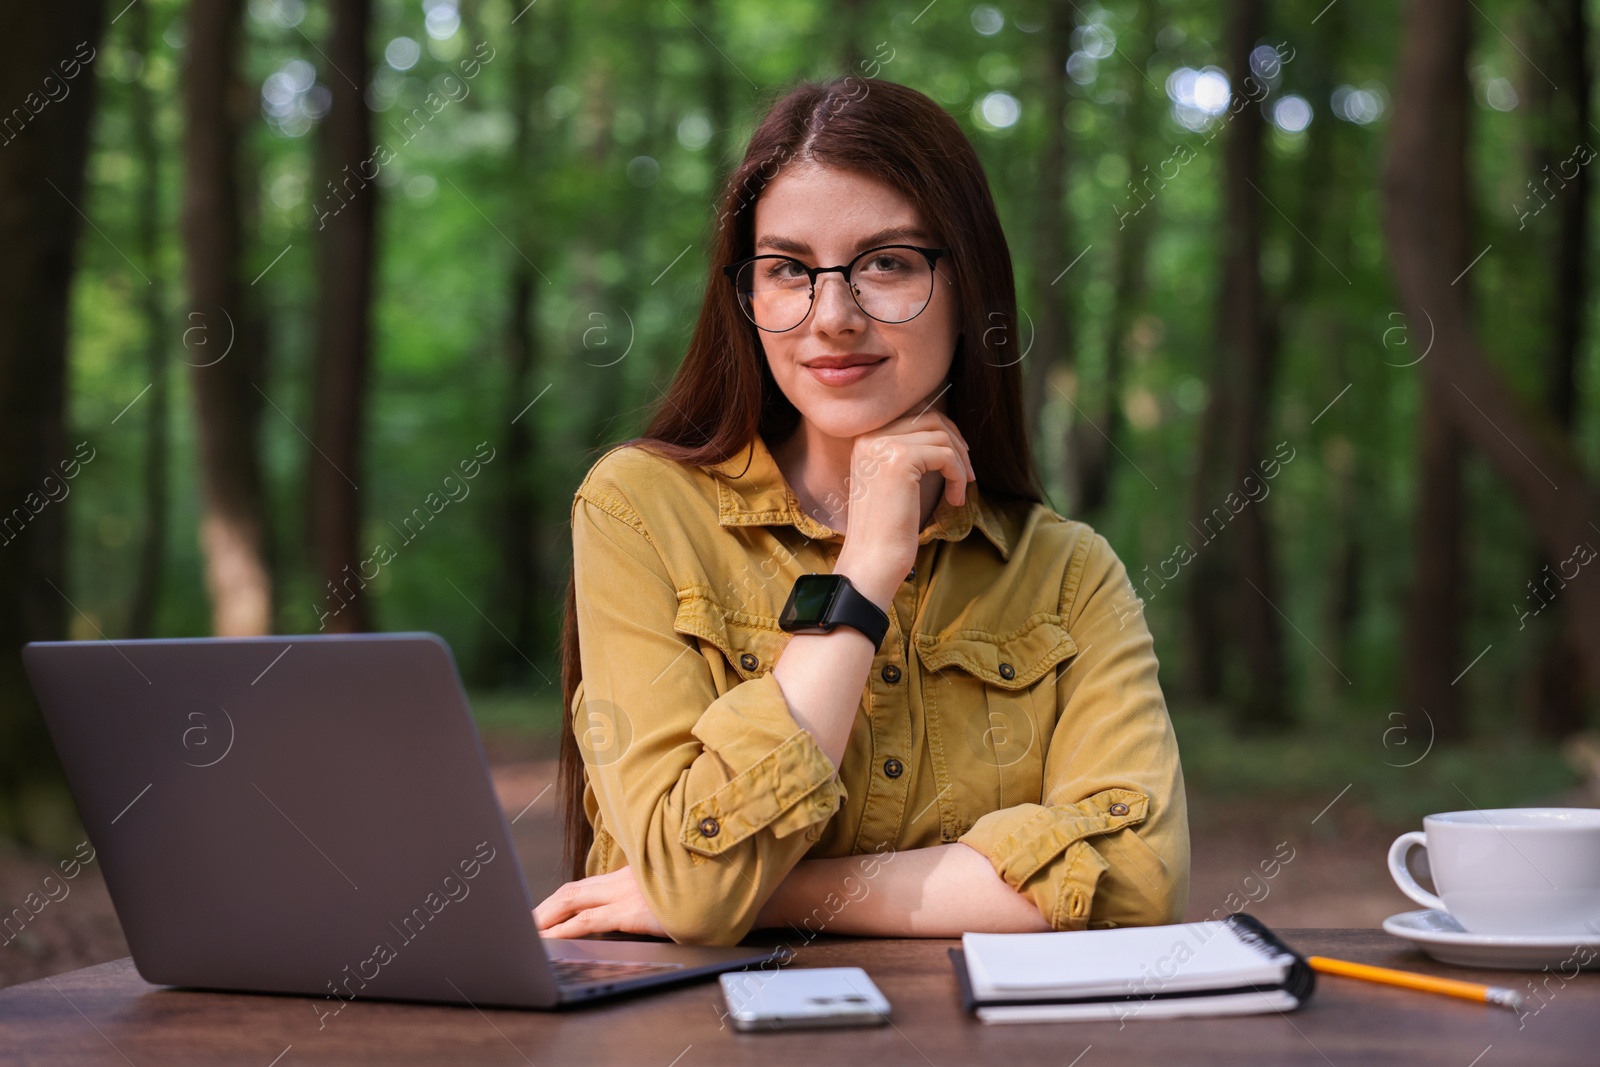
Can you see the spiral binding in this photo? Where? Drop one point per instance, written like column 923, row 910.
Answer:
column 1301, row 979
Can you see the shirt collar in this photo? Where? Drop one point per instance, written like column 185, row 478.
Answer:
column 752, row 491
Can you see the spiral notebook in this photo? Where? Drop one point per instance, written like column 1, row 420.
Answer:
column 1234, row 966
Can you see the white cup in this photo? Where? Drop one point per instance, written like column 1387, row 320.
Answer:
column 1514, row 871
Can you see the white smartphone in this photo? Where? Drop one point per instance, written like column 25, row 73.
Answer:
column 806, row 996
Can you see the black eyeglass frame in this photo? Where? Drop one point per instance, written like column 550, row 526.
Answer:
column 732, row 270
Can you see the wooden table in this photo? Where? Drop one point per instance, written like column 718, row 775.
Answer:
column 109, row 1015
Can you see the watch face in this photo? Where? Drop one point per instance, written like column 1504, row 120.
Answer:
column 809, row 602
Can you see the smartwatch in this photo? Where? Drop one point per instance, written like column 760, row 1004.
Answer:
column 820, row 602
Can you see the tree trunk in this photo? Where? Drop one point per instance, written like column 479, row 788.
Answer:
column 344, row 337
column 1209, row 625
column 233, row 527
column 715, row 67
column 515, row 593
column 1092, row 448
column 1050, row 345
column 473, row 32
column 43, row 148
column 1528, row 451
column 1353, row 482
column 148, row 579
column 1250, row 333
column 1434, row 618
column 1235, row 588
column 1561, row 698
column 1322, row 204
column 852, row 24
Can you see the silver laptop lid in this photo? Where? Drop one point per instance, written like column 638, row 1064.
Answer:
column 299, row 814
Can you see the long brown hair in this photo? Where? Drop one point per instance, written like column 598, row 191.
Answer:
column 724, row 392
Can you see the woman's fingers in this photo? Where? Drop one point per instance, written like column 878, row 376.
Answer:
column 553, row 909
column 966, row 451
column 585, row 922
column 572, row 898
column 938, row 420
column 955, row 476
column 937, row 452
column 937, row 436
column 597, row 904
column 887, row 467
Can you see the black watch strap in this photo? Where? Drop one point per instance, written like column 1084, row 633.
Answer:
column 820, row 602
column 852, row 608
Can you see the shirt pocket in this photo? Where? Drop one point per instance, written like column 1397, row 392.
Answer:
column 990, row 701
column 751, row 643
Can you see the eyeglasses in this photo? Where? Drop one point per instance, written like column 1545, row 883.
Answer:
column 890, row 283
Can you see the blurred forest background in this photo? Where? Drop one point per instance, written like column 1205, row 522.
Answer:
column 1307, row 328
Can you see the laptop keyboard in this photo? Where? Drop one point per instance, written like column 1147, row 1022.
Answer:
column 583, row 972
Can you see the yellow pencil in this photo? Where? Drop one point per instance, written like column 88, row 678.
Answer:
column 1489, row 994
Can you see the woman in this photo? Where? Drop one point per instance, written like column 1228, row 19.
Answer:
column 981, row 744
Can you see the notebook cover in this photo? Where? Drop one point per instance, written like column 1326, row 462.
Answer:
column 1299, row 982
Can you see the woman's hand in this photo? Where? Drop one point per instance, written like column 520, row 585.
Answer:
column 887, row 467
column 596, row 905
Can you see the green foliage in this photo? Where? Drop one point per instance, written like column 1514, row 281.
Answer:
column 611, row 204
column 516, row 713
column 1384, row 759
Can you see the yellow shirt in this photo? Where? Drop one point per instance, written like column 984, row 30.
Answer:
column 1013, row 705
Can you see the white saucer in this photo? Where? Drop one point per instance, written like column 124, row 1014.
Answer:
column 1441, row 937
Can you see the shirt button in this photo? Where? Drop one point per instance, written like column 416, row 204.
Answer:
column 1007, row 671
column 912, row 576
column 1118, row 808
column 891, row 673
column 709, row 827
column 893, row 767
column 749, row 661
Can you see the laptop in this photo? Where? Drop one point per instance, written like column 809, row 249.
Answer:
column 314, row 815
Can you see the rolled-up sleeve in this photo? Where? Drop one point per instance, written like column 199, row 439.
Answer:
column 712, row 797
column 1109, row 845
